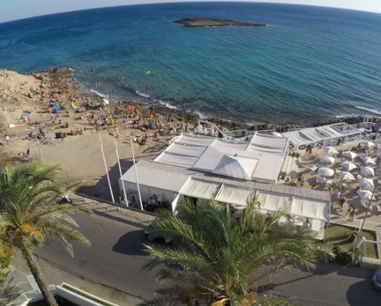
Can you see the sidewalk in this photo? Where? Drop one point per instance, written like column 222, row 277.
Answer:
column 356, row 223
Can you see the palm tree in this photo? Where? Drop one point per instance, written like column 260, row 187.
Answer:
column 8, row 290
column 217, row 259
column 29, row 212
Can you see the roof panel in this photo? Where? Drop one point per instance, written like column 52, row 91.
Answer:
column 184, row 161
column 235, row 195
column 200, row 189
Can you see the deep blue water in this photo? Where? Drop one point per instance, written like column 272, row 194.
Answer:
column 309, row 63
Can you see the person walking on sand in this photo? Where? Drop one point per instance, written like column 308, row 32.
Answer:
column 7, row 138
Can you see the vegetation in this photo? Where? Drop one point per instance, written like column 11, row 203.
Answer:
column 218, row 259
column 8, row 290
column 340, row 240
column 29, row 213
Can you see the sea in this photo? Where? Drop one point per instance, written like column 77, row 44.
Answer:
column 309, row 64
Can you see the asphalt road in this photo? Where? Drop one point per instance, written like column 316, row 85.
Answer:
column 116, row 257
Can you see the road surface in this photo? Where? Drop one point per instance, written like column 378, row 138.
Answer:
column 116, row 257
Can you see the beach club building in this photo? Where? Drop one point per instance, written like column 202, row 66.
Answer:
column 231, row 171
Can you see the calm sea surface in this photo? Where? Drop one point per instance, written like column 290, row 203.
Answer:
column 310, row 63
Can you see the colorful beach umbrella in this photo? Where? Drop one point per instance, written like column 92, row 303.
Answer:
column 349, row 154
column 330, row 150
column 327, row 160
column 326, row 172
column 368, row 171
column 348, row 165
column 128, row 107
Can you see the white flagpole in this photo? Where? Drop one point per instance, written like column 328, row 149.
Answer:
column 104, row 160
column 136, row 173
column 120, row 171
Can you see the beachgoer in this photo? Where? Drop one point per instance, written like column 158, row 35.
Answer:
column 359, row 146
column 7, row 138
column 27, row 152
column 338, row 194
column 307, row 150
column 352, row 211
column 341, row 203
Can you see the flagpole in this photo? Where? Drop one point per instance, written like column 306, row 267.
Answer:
column 136, row 173
column 120, row 170
column 104, row 160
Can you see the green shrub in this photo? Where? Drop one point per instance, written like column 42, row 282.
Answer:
column 342, row 257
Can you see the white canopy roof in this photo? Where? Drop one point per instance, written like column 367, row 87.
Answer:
column 310, row 209
column 274, row 202
column 300, row 201
column 200, row 189
column 311, row 135
column 236, row 166
column 156, row 178
column 234, row 195
column 260, row 160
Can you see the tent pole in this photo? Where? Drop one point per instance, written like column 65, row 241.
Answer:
column 120, row 170
column 136, row 174
column 104, row 160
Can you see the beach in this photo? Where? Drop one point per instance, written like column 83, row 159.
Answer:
column 49, row 108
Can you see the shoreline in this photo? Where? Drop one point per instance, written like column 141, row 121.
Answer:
column 144, row 100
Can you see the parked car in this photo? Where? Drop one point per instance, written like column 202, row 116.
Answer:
column 376, row 280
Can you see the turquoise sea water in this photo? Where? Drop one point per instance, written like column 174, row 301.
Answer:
column 310, row 63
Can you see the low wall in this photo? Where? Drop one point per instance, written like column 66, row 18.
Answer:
column 370, row 263
column 79, row 299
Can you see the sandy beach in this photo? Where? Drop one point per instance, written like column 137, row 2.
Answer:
column 27, row 115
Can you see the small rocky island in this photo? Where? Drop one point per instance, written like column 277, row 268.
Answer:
column 211, row 22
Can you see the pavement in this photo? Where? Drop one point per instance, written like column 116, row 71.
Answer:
column 112, row 265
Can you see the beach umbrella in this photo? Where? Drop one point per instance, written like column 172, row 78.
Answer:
column 364, row 194
column 106, row 102
column 367, row 144
column 327, row 160
column 330, row 150
column 348, row 165
column 368, row 160
column 366, row 182
column 129, row 107
column 349, row 154
column 346, row 176
column 293, row 174
column 326, row 172
column 367, row 171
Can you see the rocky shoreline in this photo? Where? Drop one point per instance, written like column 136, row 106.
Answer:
column 212, row 22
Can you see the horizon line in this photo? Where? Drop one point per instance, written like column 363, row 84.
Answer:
column 186, row 1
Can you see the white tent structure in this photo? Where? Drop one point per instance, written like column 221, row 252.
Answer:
column 326, row 135
column 261, row 159
column 169, row 183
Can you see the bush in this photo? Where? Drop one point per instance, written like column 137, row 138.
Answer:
column 342, row 257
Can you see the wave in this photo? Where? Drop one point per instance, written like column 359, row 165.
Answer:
column 370, row 110
column 142, row 94
column 99, row 94
column 166, row 104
